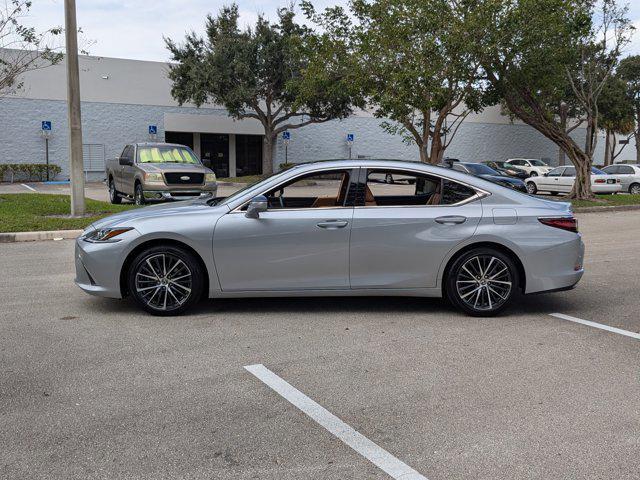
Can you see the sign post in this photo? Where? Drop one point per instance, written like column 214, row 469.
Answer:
column 46, row 133
column 286, row 136
column 350, row 139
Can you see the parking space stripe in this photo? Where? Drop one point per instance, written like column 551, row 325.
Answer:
column 361, row 444
column 28, row 187
column 619, row 331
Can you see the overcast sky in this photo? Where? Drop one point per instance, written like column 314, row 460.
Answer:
column 134, row 28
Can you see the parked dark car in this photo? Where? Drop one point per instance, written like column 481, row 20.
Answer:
column 483, row 171
column 506, row 169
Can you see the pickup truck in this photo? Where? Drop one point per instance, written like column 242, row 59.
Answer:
column 158, row 171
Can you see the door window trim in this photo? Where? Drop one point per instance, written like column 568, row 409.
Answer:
column 364, row 174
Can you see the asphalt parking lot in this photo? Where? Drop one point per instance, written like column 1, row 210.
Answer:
column 93, row 388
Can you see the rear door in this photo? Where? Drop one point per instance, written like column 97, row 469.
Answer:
column 567, row 179
column 402, row 231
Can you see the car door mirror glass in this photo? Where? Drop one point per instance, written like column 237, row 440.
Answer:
column 256, row 206
column 125, row 161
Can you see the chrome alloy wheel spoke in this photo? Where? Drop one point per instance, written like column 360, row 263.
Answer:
column 163, row 281
column 484, row 282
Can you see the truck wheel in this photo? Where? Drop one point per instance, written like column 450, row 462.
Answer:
column 139, row 195
column 113, row 193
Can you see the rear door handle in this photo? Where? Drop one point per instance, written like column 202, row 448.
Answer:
column 451, row 220
column 333, row 224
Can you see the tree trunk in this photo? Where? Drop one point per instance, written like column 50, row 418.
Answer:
column 424, row 158
column 437, row 149
column 582, row 186
column 564, row 116
column 636, row 137
column 267, row 152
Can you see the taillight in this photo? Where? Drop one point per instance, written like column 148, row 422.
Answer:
column 600, row 181
column 565, row 223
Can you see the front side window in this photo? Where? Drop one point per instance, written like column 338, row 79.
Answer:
column 325, row 189
column 556, row 172
column 166, row 154
column 569, row 172
column 403, row 188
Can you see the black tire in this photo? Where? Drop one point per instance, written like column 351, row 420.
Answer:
column 532, row 188
column 534, row 174
column 634, row 189
column 138, row 195
column 114, row 197
column 169, row 294
column 477, row 294
column 554, row 193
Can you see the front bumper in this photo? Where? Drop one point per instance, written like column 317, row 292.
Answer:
column 98, row 265
column 177, row 194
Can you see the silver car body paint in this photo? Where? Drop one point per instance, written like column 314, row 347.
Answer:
column 380, row 251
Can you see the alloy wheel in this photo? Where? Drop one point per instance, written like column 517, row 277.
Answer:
column 484, row 283
column 531, row 188
column 163, row 282
column 635, row 189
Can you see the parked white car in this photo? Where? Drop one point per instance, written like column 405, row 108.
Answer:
column 629, row 176
column 533, row 166
column 560, row 180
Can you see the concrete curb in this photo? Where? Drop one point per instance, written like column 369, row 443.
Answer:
column 38, row 236
column 615, row 208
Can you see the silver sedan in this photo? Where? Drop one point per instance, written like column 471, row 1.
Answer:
column 337, row 228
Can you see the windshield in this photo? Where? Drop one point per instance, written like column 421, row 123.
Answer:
column 537, row 163
column 480, row 169
column 167, row 154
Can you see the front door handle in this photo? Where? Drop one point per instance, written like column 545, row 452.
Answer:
column 333, row 224
column 451, row 220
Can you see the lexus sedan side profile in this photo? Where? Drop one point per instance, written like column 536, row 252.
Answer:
column 335, row 229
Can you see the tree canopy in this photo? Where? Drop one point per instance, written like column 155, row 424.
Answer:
column 269, row 72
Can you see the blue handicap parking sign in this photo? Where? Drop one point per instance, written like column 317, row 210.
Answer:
column 350, row 137
column 153, row 129
column 46, row 125
column 286, row 135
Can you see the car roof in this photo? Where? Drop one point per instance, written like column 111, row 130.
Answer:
column 159, row 144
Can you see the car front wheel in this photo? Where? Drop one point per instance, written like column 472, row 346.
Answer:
column 138, row 195
column 534, row 174
column 532, row 189
column 165, row 280
column 482, row 282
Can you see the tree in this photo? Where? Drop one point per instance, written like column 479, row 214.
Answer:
column 616, row 116
column 531, row 49
column 22, row 48
column 629, row 72
column 269, row 73
column 413, row 65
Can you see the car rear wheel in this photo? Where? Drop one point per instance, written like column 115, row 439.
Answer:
column 634, row 189
column 114, row 197
column 534, row 174
column 482, row 282
column 138, row 195
column 532, row 189
column 165, row 280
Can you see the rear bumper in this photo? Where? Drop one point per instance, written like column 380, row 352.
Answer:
column 556, row 267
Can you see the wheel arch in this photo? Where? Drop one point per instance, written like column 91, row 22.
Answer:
column 522, row 277
column 155, row 243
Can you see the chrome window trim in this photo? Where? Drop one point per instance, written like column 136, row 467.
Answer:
column 480, row 193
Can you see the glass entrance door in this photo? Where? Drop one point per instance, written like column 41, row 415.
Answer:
column 214, row 150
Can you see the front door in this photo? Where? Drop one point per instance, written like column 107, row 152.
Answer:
column 300, row 243
column 214, row 151
column 405, row 228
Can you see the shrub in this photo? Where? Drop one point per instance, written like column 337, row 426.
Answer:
column 28, row 171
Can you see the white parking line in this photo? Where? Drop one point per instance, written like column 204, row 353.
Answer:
column 619, row 331
column 28, row 187
column 361, row 444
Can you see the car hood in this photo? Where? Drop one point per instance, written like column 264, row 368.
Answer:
column 503, row 179
column 129, row 217
column 174, row 167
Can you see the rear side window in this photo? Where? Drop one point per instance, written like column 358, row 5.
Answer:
column 625, row 170
column 404, row 188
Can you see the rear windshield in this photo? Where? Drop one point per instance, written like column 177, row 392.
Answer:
column 480, row 169
column 166, row 154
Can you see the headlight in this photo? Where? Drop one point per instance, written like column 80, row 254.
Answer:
column 105, row 235
column 209, row 177
column 153, row 177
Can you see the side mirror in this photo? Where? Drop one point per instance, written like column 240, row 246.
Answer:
column 256, row 205
column 545, row 174
column 125, row 161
